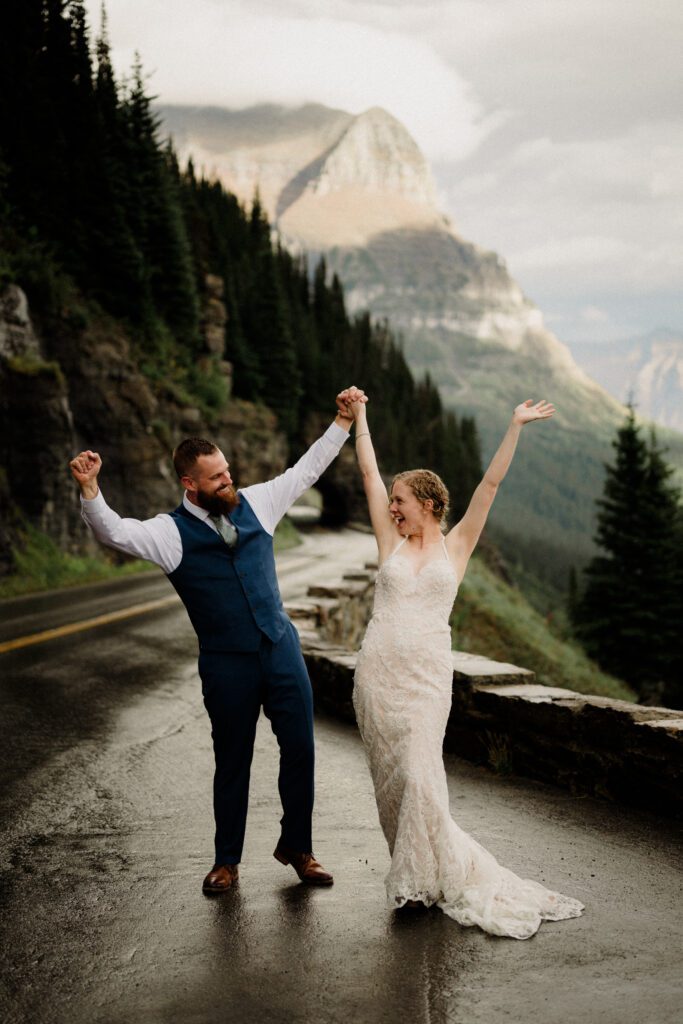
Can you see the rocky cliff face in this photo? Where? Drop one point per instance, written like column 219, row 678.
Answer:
column 36, row 428
column 658, row 380
column 78, row 387
column 373, row 179
column 264, row 147
column 375, row 153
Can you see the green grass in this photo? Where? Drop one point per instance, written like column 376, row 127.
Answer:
column 495, row 620
column 41, row 565
column 286, row 536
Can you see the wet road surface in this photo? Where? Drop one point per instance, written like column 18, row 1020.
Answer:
column 106, row 798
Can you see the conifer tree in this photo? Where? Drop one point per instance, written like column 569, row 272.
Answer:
column 117, row 276
column 429, row 424
column 471, row 470
column 268, row 327
column 157, row 219
column 628, row 616
column 572, row 594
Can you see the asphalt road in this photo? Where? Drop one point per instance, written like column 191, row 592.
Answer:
column 105, row 791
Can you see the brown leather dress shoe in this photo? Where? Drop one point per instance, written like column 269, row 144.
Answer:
column 220, row 878
column 413, row 905
column 306, row 866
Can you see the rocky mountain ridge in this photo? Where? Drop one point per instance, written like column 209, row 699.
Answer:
column 367, row 187
column 648, row 370
column 263, row 148
column 324, row 177
column 366, row 202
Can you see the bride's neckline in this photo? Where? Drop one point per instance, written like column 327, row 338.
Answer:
column 409, row 561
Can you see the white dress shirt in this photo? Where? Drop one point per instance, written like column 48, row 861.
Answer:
column 158, row 540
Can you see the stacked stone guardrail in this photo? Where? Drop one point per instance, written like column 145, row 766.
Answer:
column 608, row 748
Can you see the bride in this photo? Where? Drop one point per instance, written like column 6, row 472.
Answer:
column 402, row 696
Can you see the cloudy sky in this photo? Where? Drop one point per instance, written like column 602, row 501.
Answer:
column 554, row 126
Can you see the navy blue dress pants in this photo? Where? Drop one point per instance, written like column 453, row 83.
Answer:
column 235, row 685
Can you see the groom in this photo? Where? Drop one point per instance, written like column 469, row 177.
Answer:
column 217, row 550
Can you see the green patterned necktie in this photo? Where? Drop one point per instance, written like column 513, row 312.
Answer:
column 226, row 530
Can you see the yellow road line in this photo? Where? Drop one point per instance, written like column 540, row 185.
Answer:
column 77, row 627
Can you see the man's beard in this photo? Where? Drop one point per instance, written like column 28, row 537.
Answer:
column 218, row 503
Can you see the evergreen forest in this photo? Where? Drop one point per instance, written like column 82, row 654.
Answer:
column 97, row 216
column 630, row 610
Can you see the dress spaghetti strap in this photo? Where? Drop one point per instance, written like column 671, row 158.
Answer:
column 392, row 553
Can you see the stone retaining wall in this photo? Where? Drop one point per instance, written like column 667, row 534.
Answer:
column 608, row 748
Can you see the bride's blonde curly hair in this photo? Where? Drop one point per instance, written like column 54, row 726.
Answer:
column 425, row 485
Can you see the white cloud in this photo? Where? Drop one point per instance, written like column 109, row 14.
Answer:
column 555, row 125
column 574, row 69
column 234, row 55
column 589, row 251
column 593, row 315
column 578, row 217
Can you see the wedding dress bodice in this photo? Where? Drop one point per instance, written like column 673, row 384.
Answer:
column 416, row 600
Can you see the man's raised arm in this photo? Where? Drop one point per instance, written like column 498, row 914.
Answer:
column 156, row 540
column 271, row 500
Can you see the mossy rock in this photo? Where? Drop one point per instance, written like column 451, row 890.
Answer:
column 28, row 366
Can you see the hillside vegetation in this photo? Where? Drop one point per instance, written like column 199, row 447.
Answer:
column 41, row 565
column 496, row 620
column 463, row 320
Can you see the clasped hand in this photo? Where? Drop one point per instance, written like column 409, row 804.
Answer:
column 349, row 400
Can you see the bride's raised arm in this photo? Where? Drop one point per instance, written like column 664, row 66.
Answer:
column 376, row 493
column 462, row 539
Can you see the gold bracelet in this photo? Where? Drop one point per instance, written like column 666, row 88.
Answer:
column 366, row 433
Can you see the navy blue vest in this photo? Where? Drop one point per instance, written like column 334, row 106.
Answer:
column 231, row 594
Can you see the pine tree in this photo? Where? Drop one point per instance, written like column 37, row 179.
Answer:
column 572, row 594
column 268, row 327
column 472, row 470
column 156, row 215
column 673, row 695
column 116, row 274
column 429, row 424
column 628, row 616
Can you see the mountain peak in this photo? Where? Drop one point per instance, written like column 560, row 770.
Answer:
column 325, row 177
column 371, row 180
column 377, row 153
column 379, row 114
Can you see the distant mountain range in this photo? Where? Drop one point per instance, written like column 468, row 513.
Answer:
column 358, row 190
column 648, row 370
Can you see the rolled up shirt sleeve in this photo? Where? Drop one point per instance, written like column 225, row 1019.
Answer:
column 271, row 500
column 156, row 540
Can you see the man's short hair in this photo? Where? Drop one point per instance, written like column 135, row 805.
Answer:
column 188, row 451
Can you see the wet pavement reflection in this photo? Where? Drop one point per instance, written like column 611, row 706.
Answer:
column 106, row 797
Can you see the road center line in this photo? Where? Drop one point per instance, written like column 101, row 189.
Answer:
column 290, row 566
column 98, row 620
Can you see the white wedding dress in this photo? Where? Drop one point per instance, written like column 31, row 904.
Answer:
column 402, row 698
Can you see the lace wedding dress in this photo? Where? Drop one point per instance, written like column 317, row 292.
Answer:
column 402, row 697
